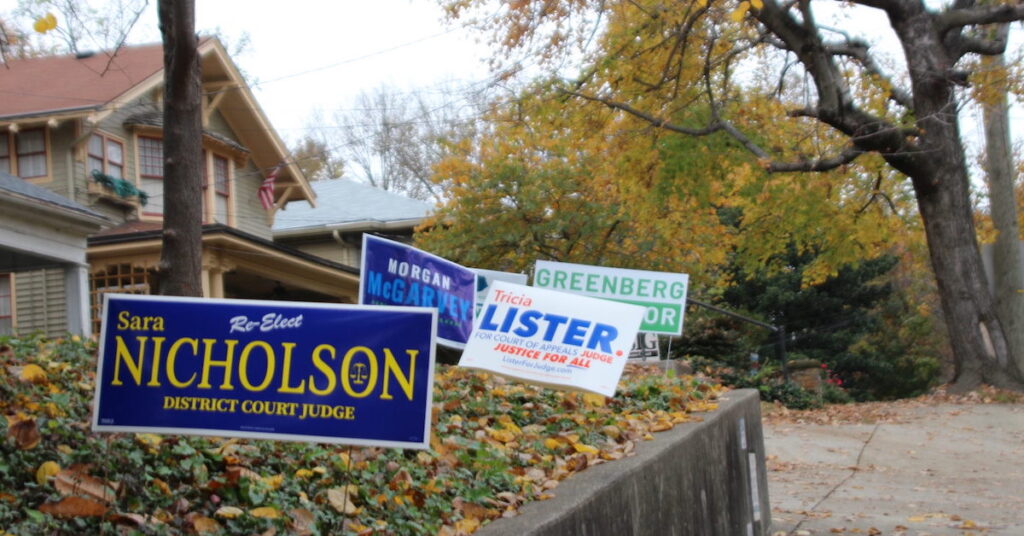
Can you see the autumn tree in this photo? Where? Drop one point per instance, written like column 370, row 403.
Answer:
column 699, row 67
column 537, row 182
column 316, row 159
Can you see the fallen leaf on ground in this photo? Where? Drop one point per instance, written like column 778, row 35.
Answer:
column 74, row 507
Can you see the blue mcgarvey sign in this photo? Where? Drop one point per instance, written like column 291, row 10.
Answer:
column 397, row 274
column 273, row 370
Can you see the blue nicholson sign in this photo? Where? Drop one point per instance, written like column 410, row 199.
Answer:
column 398, row 274
column 273, row 370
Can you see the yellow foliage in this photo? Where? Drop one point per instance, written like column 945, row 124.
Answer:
column 45, row 23
column 741, row 11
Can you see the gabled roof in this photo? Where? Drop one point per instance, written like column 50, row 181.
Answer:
column 45, row 85
column 349, row 205
column 19, row 190
column 35, row 90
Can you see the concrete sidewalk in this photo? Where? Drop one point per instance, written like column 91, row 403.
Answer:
column 947, row 469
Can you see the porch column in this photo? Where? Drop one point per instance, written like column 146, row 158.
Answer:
column 205, row 277
column 76, row 286
column 216, row 282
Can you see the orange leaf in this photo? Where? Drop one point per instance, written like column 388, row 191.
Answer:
column 467, row 526
column 74, row 507
column 475, row 511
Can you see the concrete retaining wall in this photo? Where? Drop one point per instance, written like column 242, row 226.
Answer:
column 700, row 479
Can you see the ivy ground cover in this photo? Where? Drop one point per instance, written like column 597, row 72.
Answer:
column 495, row 445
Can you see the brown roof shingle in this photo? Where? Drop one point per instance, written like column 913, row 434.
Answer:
column 36, row 86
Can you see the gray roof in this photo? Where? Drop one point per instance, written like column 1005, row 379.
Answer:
column 16, row 186
column 350, row 205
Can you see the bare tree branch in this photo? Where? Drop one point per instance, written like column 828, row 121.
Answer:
column 859, row 50
column 818, row 164
column 711, row 128
column 958, row 18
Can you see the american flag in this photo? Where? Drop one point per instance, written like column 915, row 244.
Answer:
column 266, row 191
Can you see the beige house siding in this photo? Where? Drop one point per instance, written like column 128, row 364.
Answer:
column 219, row 125
column 331, row 250
column 61, row 138
column 41, row 305
column 249, row 214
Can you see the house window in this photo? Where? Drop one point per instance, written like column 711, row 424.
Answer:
column 118, row 279
column 5, row 153
column 106, row 155
column 151, row 173
column 151, row 178
column 30, row 152
column 6, row 306
column 222, row 194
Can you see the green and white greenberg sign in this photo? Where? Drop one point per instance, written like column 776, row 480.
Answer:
column 662, row 293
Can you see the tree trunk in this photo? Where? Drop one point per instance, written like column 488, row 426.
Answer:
column 942, row 187
column 976, row 335
column 1007, row 261
column 181, row 256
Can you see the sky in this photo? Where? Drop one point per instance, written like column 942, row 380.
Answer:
column 322, row 54
column 307, row 55
column 304, row 55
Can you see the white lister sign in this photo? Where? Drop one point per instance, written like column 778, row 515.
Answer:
column 663, row 294
column 552, row 338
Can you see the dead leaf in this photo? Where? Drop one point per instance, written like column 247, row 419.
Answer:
column 234, row 473
column 24, row 432
column 74, row 507
column 74, row 481
column 136, row 520
column 303, row 522
column 228, row 512
column 204, row 525
column 341, row 500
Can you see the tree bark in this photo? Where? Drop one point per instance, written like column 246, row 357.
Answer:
column 1007, row 261
column 181, row 256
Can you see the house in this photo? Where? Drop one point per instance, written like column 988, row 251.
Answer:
column 334, row 229
column 88, row 127
column 44, row 283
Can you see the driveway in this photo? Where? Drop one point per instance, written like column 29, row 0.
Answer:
column 926, row 467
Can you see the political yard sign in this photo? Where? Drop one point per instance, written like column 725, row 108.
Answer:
column 553, row 338
column 663, row 294
column 484, row 279
column 398, row 274
column 347, row 374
